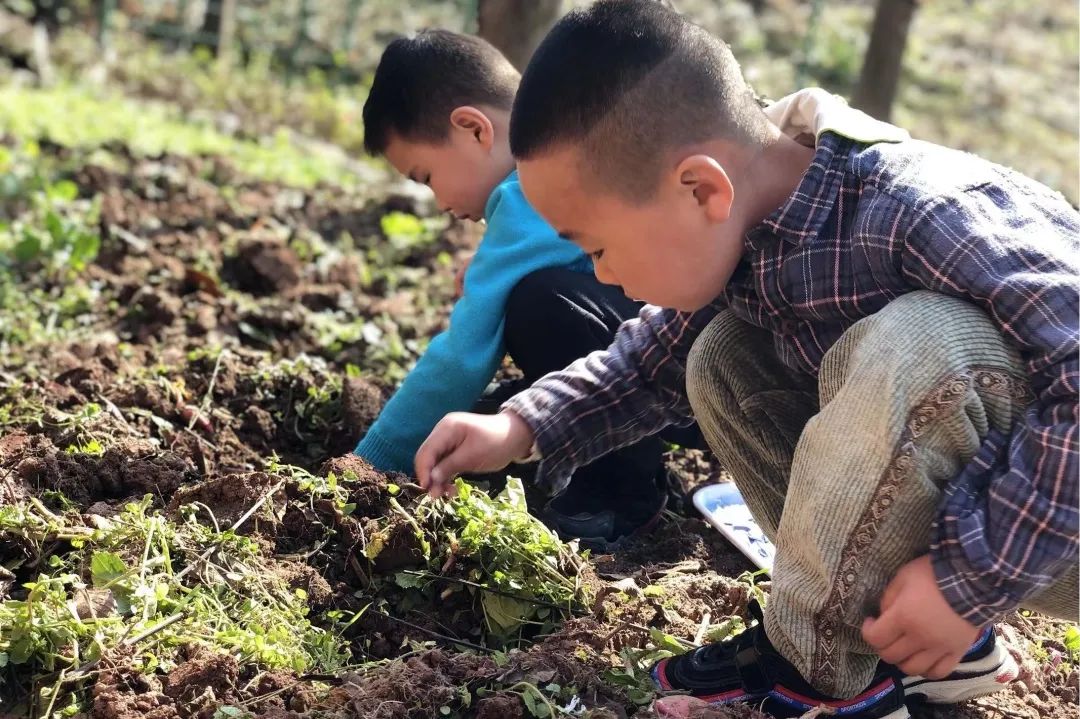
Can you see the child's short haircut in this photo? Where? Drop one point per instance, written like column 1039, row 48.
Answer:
column 421, row 79
column 627, row 81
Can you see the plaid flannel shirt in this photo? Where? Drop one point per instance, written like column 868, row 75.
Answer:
column 868, row 223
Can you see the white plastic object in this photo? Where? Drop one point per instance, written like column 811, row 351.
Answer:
column 724, row 508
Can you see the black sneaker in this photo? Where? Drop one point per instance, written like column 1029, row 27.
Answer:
column 603, row 523
column 747, row 669
column 604, row 530
column 988, row 667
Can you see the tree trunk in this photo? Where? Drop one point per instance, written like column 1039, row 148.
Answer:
column 884, row 57
column 226, row 32
column 209, row 26
column 516, row 27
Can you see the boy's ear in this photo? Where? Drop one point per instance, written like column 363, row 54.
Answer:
column 710, row 185
column 469, row 119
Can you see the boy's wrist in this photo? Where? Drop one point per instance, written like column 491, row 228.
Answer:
column 532, row 456
column 521, row 438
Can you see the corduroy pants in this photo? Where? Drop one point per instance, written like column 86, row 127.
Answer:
column 846, row 474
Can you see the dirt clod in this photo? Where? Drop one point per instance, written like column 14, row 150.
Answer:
column 230, row 497
column 264, row 268
column 361, row 402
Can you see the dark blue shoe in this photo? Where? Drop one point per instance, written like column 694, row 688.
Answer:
column 606, row 529
column 747, row 669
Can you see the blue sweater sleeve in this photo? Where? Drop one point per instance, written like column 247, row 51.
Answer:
column 461, row 361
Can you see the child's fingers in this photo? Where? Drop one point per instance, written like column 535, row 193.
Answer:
column 944, row 666
column 448, row 468
column 899, row 651
column 442, row 441
column 422, row 464
column 888, row 597
column 922, row 662
column 441, row 475
column 883, row 631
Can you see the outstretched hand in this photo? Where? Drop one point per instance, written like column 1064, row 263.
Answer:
column 463, row 442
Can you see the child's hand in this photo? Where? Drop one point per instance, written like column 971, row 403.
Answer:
column 459, row 277
column 917, row 630
column 463, row 442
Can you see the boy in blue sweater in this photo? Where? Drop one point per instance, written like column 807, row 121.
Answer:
column 439, row 112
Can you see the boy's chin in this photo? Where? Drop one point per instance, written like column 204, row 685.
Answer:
column 679, row 304
column 682, row 299
column 684, row 302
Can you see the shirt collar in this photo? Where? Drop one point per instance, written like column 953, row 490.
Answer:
column 806, row 209
column 489, row 206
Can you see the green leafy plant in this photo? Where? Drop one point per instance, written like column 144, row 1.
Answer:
column 505, row 548
column 91, row 446
column 140, row 561
column 633, row 674
column 1071, row 640
column 58, row 232
column 81, row 119
column 405, row 232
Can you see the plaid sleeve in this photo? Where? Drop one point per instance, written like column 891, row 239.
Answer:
column 612, row 398
column 1008, row 525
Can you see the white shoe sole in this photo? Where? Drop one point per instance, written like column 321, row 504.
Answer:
column 974, row 679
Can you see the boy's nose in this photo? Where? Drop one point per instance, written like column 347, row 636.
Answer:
column 604, row 275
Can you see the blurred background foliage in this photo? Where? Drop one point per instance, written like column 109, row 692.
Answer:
column 995, row 77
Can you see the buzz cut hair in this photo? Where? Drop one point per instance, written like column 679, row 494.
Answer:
column 420, row 80
column 626, row 82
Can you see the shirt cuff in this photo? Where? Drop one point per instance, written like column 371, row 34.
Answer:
column 553, row 473
column 975, row 599
column 383, row 455
column 532, row 456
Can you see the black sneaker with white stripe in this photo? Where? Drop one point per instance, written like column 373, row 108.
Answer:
column 988, row 667
column 748, row 669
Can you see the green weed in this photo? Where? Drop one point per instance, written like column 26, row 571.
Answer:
column 232, row 602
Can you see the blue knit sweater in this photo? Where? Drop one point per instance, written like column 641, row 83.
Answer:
column 461, row 361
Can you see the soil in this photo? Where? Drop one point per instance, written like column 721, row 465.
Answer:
column 196, row 689
column 264, row 268
column 204, row 352
column 231, row 496
column 130, row 469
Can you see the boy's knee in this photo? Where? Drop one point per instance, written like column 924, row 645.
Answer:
column 701, row 379
column 720, row 346
column 529, row 309
column 925, row 332
column 927, row 316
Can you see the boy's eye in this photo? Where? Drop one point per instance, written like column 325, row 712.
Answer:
column 596, row 255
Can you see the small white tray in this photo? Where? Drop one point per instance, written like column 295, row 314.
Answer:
column 724, row 508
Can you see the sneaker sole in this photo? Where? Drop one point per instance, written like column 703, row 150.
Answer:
column 787, row 703
column 901, row 713
column 974, row 679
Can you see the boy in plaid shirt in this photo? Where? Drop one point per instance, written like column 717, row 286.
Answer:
column 877, row 336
